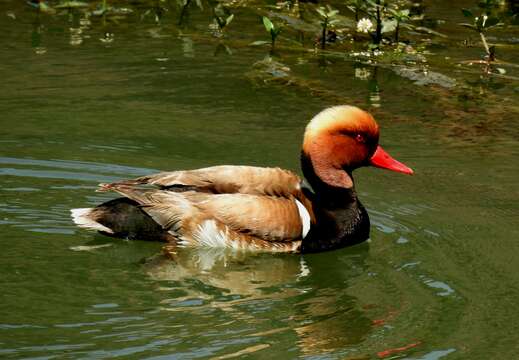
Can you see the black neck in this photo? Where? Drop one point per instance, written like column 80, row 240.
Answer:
column 341, row 220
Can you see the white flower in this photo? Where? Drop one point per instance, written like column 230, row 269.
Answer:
column 364, row 25
column 362, row 73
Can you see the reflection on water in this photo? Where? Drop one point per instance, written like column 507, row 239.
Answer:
column 245, row 286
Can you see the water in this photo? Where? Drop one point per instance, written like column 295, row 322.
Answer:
column 438, row 280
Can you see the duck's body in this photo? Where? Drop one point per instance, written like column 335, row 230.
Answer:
column 254, row 208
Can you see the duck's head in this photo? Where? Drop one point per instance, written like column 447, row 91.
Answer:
column 342, row 138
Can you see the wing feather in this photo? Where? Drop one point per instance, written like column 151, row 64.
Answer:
column 224, row 179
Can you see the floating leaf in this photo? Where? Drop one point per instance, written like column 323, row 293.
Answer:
column 259, row 43
column 470, row 26
column 427, row 30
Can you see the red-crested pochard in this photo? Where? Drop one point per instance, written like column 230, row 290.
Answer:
column 255, row 208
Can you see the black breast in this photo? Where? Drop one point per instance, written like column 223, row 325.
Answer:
column 337, row 226
column 341, row 220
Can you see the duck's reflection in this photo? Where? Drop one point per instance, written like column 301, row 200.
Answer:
column 308, row 292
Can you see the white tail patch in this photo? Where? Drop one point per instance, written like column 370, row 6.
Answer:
column 305, row 218
column 81, row 218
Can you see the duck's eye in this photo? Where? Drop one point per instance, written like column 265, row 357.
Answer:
column 360, row 138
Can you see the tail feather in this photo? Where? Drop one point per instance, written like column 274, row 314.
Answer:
column 82, row 218
column 122, row 218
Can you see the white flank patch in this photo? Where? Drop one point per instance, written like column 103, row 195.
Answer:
column 305, row 218
column 209, row 235
column 80, row 217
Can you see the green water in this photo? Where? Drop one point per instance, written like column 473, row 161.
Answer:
column 439, row 278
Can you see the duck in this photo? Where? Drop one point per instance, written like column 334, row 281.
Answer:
column 256, row 208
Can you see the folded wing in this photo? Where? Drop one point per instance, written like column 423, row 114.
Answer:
column 225, row 179
column 273, row 219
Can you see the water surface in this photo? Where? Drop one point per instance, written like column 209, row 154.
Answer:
column 439, row 278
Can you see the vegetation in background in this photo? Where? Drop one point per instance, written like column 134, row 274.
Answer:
column 393, row 32
column 272, row 29
column 222, row 17
column 486, row 18
column 327, row 19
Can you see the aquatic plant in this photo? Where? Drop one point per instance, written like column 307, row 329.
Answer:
column 157, row 10
column 481, row 24
column 102, row 10
column 380, row 17
column 222, row 16
column 327, row 18
column 272, row 29
column 399, row 16
column 358, row 7
column 42, row 6
column 184, row 4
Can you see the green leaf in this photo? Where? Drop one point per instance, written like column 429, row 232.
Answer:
column 389, row 25
column 333, row 13
column 44, row 8
column 467, row 13
column 269, row 26
column 229, row 19
column 321, row 12
column 371, row 2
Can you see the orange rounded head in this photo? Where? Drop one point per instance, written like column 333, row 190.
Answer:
column 346, row 137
